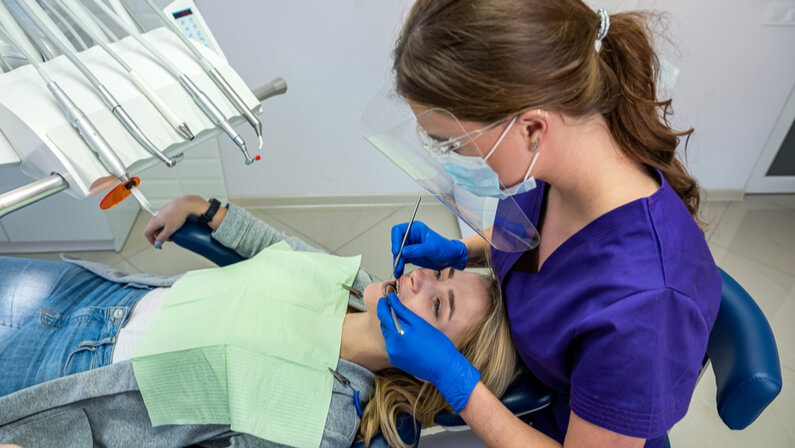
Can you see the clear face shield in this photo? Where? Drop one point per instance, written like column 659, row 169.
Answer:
column 425, row 146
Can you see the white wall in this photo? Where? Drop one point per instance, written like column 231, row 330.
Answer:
column 334, row 56
column 734, row 77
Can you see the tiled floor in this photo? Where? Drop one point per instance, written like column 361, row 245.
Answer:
column 753, row 240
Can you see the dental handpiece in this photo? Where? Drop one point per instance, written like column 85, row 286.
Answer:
column 212, row 111
column 78, row 120
column 89, row 133
column 104, row 94
column 86, row 130
column 199, row 97
column 214, row 74
column 179, row 125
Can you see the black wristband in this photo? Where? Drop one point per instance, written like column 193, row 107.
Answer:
column 207, row 216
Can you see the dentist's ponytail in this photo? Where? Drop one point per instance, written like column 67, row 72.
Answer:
column 628, row 71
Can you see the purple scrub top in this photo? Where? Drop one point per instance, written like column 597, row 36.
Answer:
column 617, row 320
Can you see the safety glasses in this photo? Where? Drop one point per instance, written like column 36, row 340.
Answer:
column 437, row 145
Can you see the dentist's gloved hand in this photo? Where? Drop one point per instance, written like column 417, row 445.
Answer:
column 425, row 352
column 426, row 248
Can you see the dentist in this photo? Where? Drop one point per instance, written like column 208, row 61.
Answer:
column 551, row 109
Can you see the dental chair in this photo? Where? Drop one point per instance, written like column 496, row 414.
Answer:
column 741, row 348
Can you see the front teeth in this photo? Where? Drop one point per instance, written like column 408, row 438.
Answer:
column 391, row 286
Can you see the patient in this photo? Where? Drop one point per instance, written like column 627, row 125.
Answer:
column 67, row 331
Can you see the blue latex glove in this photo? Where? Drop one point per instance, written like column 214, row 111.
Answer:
column 426, row 353
column 426, row 248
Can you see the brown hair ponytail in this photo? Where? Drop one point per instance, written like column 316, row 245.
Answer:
column 638, row 121
column 486, row 60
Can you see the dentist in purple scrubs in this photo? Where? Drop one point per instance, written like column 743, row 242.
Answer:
column 611, row 291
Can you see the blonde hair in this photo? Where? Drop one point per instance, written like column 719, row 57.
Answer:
column 486, row 344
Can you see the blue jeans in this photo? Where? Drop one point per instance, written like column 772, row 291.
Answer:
column 57, row 319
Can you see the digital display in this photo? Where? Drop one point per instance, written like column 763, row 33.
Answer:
column 182, row 13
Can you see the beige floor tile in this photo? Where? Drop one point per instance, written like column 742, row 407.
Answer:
column 784, row 200
column 759, row 230
column 435, row 215
column 170, row 260
column 375, row 245
column 331, row 227
column 769, row 287
column 282, row 227
column 711, row 212
column 784, row 331
column 135, row 240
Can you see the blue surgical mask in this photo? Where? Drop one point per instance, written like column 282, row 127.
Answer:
column 473, row 174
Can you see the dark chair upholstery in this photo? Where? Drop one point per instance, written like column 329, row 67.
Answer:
column 744, row 357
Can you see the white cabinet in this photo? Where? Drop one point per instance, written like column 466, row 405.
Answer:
column 62, row 223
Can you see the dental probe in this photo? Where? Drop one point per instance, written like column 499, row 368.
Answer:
column 405, row 235
column 179, row 125
column 106, row 96
column 397, row 258
column 201, row 99
column 98, row 145
column 212, row 72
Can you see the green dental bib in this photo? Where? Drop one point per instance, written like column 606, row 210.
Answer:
column 249, row 345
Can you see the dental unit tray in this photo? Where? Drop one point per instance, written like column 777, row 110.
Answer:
column 36, row 136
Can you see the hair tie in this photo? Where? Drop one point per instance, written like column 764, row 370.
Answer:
column 604, row 26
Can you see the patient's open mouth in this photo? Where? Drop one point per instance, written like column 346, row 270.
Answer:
column 391, row 286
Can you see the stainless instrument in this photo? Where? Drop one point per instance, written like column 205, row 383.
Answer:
column 216, row 76
column 110, row 102
column 179, row 125
column 397, row 258
column 87, row 132
column 201, row 99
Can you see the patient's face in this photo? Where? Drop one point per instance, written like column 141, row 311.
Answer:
column 449, row 299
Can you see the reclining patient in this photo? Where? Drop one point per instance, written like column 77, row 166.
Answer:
column 68, row 329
